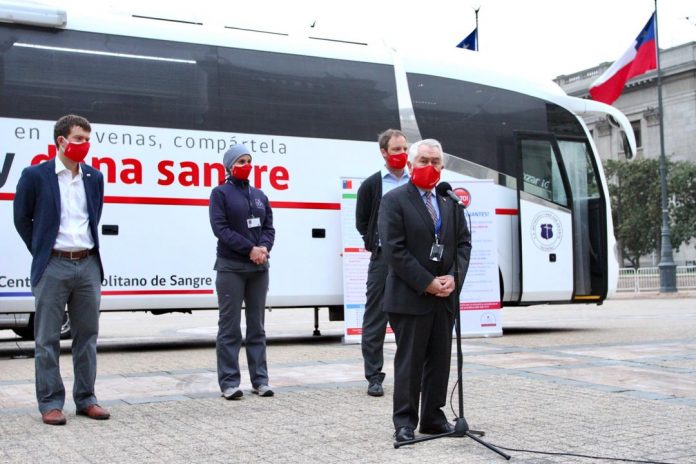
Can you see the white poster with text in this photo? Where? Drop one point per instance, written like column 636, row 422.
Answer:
column 479, row 301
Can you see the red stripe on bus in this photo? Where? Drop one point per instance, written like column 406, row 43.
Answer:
column 205, row 202
column 305, row 205
column 155, row 292
column 506, row 211
column 157, row 201
column 7, row 196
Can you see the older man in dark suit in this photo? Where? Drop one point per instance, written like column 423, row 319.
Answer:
column 421, row 244
column 57, row 209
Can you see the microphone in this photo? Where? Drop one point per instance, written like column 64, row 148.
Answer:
column 444, row 189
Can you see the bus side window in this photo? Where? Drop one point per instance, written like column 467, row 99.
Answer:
column 541, row 176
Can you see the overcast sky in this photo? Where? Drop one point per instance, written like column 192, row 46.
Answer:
column 543, row 38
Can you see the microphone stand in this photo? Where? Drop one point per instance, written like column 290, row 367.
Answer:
column 461, row 427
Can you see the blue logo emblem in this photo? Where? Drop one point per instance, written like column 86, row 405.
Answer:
column 547, row 231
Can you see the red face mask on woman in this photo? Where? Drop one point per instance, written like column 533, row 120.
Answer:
column 241, row 172
column 397, row 161
column 425, row 177
column 76, row 151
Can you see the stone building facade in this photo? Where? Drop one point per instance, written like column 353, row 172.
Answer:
column 639, row 102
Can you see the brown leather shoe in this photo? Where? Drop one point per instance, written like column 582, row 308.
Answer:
column 94, row 411
column 53, row 417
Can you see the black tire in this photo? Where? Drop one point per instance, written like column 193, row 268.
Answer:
column 27, row 333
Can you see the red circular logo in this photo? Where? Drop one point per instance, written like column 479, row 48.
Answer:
column 463, row 195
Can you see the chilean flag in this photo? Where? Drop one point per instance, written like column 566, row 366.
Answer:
column 639, row 58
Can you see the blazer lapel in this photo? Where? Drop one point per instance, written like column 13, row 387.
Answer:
column 88, row 183
column 53, row 183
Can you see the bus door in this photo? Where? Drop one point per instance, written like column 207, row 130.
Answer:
column 545, row 221
column 589, row 220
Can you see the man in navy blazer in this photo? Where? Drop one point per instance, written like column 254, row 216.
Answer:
column 421, row 246
column 57, row 208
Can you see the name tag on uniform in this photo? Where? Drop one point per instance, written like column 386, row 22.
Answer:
column 436, row 252
column 253, row 222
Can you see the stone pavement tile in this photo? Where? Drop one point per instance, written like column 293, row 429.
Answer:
column 633, row 378
column 17, row 369
column 142, row 361
column 22, row 395
column 341, row 424
column 685, row 364
column 153, row 386
column 522, row 360
column 468, row 347
column 635, row 351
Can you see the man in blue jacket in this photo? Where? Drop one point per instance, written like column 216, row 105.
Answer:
column 57, row 209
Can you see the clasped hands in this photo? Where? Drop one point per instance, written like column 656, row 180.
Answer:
column 258, row 255
column 441, row 286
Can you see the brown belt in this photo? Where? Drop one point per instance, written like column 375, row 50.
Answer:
column 74, row 255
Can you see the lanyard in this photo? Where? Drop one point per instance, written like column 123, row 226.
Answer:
column 251, row 211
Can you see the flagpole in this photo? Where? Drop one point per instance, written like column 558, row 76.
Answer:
column 476, row 10
column 668, row 270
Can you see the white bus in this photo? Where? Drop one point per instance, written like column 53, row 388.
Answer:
column 167, row 97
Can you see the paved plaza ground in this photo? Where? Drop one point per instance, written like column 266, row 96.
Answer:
column 615, row 381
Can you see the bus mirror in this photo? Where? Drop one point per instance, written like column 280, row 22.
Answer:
column 612, row 120
column 626, row 146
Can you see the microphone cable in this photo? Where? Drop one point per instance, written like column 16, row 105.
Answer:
column 558, row 453
column 22, row 353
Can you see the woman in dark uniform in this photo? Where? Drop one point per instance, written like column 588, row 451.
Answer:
column 242, row 221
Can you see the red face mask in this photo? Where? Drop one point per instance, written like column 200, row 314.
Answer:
column 397, row 161
column 425, row 177
column 76, row 151
column 241, row 172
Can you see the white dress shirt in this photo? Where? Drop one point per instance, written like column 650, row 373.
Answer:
column 73, row 233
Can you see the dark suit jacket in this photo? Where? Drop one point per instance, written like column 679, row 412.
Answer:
column 37, row 211
column 407, row 234
column 366, row 210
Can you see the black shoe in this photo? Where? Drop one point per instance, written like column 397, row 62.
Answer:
column 375, row 388
column 404, row 434
column 437, row 429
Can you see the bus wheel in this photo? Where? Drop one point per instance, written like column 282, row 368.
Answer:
column 27, row 333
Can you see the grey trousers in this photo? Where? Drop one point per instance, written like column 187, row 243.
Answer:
column 374, row 319
column 77, row 284
column 233, row 288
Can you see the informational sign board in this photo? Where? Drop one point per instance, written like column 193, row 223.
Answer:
column 480, row 296
column 356, row 260
column 479, row 301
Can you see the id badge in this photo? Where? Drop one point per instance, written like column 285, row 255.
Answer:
column 253, row 222
column 436, row 252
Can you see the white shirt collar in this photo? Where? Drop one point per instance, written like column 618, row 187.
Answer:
column 60, row 167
